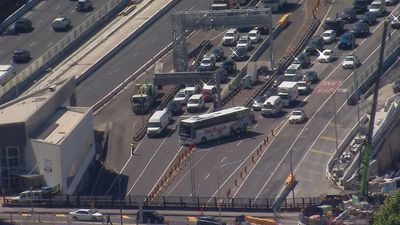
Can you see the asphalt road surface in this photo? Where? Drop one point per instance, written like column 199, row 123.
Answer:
column 43, row 36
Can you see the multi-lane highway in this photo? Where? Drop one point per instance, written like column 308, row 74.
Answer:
column 43, row 36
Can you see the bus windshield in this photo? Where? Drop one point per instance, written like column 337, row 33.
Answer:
column 185, row 130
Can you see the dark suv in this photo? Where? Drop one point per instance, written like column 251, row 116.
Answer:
column 334, row 24
column 360, row 6
column 315, row 43
column 347, row 41
column 151, row 216
column 229, row 65
column 349, row 15
column 21, row 56
column 303, row 59
column 23, row 25
column 83, row 6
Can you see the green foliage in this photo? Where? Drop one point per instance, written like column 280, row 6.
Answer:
column 389, row 212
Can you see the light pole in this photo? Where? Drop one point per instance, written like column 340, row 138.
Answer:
column 119, row 194
column 192, row 181
column 291, row 172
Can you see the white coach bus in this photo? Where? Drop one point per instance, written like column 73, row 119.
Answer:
column 210, row 126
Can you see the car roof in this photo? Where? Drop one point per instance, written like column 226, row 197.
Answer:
column 196, row 96
column 60, row 18
column 231, row 30
column 254, row 31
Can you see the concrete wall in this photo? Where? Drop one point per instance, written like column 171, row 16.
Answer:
column 77, row 152
column 390, row 150
column 49, row 158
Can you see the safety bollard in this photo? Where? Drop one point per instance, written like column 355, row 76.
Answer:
column 272, row 132
column 245, row 169
column 11, row 219
column 265, row 141
column 260, row 147
column 236, row 183
column 252, row 159
column 241, row 175
column 39, row 217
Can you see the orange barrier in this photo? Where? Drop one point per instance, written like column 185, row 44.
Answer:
column 284, row 20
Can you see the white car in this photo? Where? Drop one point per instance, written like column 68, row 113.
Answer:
column 329, row 36
column 327, row 55
column 182, row 96
column 244, row 41
column 377, row 8
column 61, row 24
column 297, row 116
column 230, row 37
column 257, row 104
column 350, row 62
column 255, row 36
column 86, row 214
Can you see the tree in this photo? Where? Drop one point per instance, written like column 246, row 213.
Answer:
column 389, row 212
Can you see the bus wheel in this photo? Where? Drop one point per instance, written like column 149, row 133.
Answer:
column 203, row 140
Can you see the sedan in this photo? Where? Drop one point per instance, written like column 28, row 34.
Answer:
column 351, row 62
column 21, row 56
column 369, row 18
column 361, row 30
column 239, row 54
column 297, row 116
column 327, row 55
column 329, row 36
column 349, row 15
column 182, row 96
column 311, row 76
column 244, row 41
column 255, row 36
column 61, row 24
column 86, row 214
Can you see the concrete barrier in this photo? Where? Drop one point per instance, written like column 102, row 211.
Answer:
column 17, row 14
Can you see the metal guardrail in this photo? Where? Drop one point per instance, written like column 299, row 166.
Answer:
column 168, row 203
column 286, row 62
column 59, row 49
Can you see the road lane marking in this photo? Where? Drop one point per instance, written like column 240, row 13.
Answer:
column 50, row 44
column 147, row 165
column 333, row 125
column 154, row 39
column 239, row 142
column 25, row 214
column 205, row 178
column 326, row 138
column 126, row 217
column 33, row 43
column 40, row 4
column 19, row 38
column 223, row 159
column 60, row 215
column 321, row 152
column 72, row 11
column 58, row 7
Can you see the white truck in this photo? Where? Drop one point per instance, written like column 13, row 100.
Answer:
column 6, row 73
column 288, row 91
column 275, row 5
column 158, row 122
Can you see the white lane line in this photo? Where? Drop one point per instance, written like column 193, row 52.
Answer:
column 39, row 22
column 50, row 44
column 28, row 14
column 165, row 171
column 326, row 15
column 19, row 38
column 40, row 4
column 32, row 44
column 222, row 160
column 255, row 126
column 72, row 12
column 329, row 97
column 191, row 8
column 147, row 165
column 240, row 142
column 154, row 39
column 58, row 7
column 205, row 178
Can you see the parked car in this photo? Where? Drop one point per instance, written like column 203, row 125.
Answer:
column 349, row 15
column 218, row 53
column 396, row 86
column 244, row 41
column 347, row 41
column 378, row 8
column 316, row 43
column 327, row 56
column 61, row 24
column 360, row 6
column 350, row 62
column 207, row 63
column 83, row 6
column 303, row 59
column 229, row 65
column 361, row 29
column 23, row 25
column 304, row 87
column 182, row 96
column 86, row 214
column 329, row 36
column 230, row 37
column 21, row 56
column 255, row 36
column 297, row 116
column 174, row 108
column 311, row 76
column 239, row 54
column 369, row 18
column 391, row 2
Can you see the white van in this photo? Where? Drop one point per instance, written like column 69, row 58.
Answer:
column 195, row 103
column 158, row 122
column 293, row 73
column 31, row 196
column 272, row 106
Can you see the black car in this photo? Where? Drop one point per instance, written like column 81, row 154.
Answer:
column 391, row 2
column 150, row 216
column 23, row 25
column 347, row 41
column 230, row 66
column 368, row 18
column 239, row 54
column 303, row 59
column 316, row 42
column 349, row 15
column 334, row 24
column 311, row 76
column 21, row 56
column 209, row 220
column 396, row 86
column 218, row 52
column 174, row 107
column 361, row 30
column 84, row 6
column 360, row 6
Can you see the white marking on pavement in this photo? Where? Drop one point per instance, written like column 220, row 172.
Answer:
column 223, row 159
column 50, row 44
column 58, row 7
column 191, row 8
column 154, row 39
column 240, row 142
column 255, row 126
column 147, row 165
column 39, row 22
column 19, row 38
column 28, row 14
column 205, row 178
column 33, row 43
column 40, row 4
column 72, row 12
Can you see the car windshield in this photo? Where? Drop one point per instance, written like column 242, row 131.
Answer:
column 138, row 100
column 297, row 113
column 243, row 41
column 206, row 61
column 290, row 71
column 326, row 53
column 252, row 34
column 193, row 101
column 326, row 34
column 350, row 59
column 375, row 6
column 153, row 125
column 181, row 95
column 302, row 84
column 229, row 34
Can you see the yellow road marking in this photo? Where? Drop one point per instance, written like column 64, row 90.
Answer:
column 321, row 152
column 327, row 138
column 60, row 215
column 125, row 217
column 191, row 219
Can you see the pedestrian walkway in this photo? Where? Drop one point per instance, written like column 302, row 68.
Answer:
column 102, row 43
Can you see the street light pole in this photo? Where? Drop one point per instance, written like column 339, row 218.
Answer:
column 219, row 196
column 291, row 171
column 120, row 199
column 192, row 181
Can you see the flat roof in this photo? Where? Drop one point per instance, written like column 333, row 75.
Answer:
column 59, row 125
